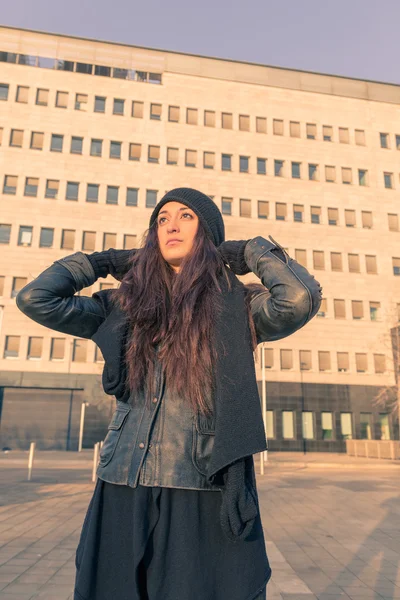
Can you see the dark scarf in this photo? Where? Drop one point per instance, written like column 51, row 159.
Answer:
column 239, row 429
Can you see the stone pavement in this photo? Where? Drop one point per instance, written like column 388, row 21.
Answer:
column 332, row 533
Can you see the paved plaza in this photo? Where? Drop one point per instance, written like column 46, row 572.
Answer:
column 332, row 531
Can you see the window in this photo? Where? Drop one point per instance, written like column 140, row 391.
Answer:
column 278, row 168
column 379, row 363
column 357, row 309
column 62, row 99
column 11, row 347
column 336, row 261
column 393, row 222
column 388, row 180
column 245, row 207
column 350, row 218
column 22, row 94
column 365, row 426
column 286, row 357
column 261, row 125
column 307, row 422
column 52, row 186
column 327, row 133
column 384, row 430
column 92, row 192
column 300, row 256
column 172, row 156
column 42, row 97
column 226, row 206
column 277, row 126
column 191, row 116
column 327, row 425
column 287, row 424
column 209, row 118
column 243, row 164
column 5, row 233
column 56, row 144
column 318, row 259
column 270, row 425
column 31, row 186
column 226, row 120
column 370, row 264
column 57, row 349
column 263, row 209
column 268, row 358
column 294, row 129
column 79, row 350
column 305, row 360
column 109, row 240
column 132, row 196
column 130, row 241
column 16, row 138
column 346, row 427
column 343, row 361
column 72, row 190
column 84, row 68
column 209, row 160
column 81, row 101
column 354, row 263
column 296, row 170
column 313, row 172
column 311, row 131
column 76, row 145
column 397, row 140
column 4, row 91
column 280, row 211
column 115, row 149
column 88, row 241
column 151, row 198
column 330, row 174
column 118, row 106
column 37, row 140
column 190, row 158
column 1, row 135
column 359, row 137
column 333, row 216
column 298, row 213
column 261, row 166
column 346, row 175
column 226, row 162
column 46, row 237
column 366, row 219
column 361, row 362
column 155, row 111
column 25, row 236
column 99, row 104
column 362, row 177
column 173, row 114
column 96, row 147
column 374, row 311
column 135, row 151
column 137, row 109
column 384, row 139
column 322, row 309
column 339, row 308
column 10, row 184
column 324, row 360
column 396, row 266
column 344, row 135
column 112, row 195
column 315, row 214
column 153, row 154
column 244, row 123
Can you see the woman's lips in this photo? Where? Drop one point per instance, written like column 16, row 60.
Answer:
column 173, row 242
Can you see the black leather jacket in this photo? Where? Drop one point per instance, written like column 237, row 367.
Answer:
column 163, row 444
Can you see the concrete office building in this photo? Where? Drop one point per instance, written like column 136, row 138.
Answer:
column 92, row 135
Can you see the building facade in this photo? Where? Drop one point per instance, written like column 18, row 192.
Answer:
column 93, row 133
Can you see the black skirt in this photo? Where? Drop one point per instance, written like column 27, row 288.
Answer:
column 153, row 543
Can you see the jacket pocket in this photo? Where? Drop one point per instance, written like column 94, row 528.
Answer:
column 202, row 443
column 113, row 435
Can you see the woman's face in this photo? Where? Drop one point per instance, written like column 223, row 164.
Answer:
column 175, row 221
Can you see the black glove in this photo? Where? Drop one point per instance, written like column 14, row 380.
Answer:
column 232, row 252
column 111, row 262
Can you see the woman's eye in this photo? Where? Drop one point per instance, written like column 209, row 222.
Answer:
column 183, row 214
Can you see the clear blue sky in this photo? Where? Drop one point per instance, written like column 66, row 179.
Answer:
column 357, row 38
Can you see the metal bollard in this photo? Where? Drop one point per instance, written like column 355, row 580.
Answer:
column 30, row 460
column 95, row 460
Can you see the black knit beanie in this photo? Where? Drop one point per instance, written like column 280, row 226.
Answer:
column 207, row 211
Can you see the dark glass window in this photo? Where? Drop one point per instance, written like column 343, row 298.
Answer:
column 226, row 162
column 99, row 104
column 72, row 190
column 56, row 144
column 151, row 198
column 132, row 196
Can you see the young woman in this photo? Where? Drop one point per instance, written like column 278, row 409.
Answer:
column 175, row 513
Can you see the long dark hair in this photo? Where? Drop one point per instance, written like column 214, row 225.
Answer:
column 176, row 311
